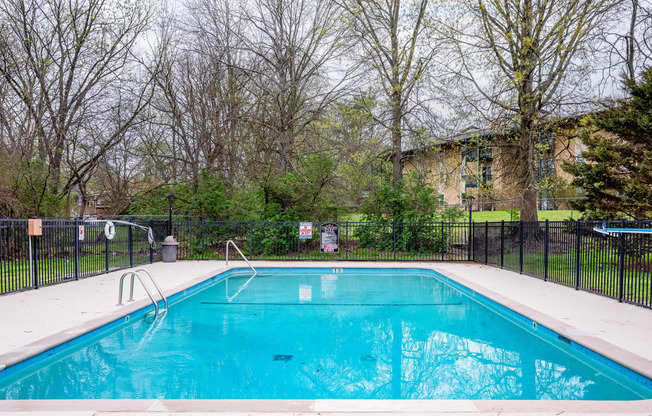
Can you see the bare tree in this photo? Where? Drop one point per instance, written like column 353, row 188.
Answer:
column 71, row 67
column 397, row 43
column 202, row 92
column 295, row 45
column 523, row 60
column 626, row 41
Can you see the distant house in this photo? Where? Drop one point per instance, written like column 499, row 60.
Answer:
column 482, row 163
column 95, row 205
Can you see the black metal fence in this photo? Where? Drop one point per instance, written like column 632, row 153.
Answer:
column 60, row 255
column 569, row 253
column 572, row 254
column 360, row 241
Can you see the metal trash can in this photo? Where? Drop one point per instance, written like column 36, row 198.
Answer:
column 169, row 248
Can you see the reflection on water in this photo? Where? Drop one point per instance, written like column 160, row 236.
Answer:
column 366, row 336
column 328, row 286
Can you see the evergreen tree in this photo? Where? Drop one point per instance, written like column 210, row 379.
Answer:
column 617, row 175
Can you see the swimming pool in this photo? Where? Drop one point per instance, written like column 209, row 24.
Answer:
column 325, row 334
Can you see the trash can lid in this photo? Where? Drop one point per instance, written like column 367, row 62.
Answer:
column 169, row 241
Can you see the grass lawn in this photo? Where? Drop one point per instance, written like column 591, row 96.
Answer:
column 497, row 216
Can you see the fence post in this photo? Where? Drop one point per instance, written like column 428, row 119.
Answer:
column 444, row 242
column 502, row 243
column 131, row 246
column 621, row 265
column 203, row 225
column 106, row 253
column 76, row 248
column 251, row 239
column 546, row 249
column 577, row 256
column 470, row 237
column 151, row 250
column 36, row 240
column 520, row 250
column 346, row 247
column 394, row 241
column 298, row 240
column 486, row 242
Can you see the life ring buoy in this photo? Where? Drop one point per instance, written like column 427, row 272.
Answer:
column 109, row 230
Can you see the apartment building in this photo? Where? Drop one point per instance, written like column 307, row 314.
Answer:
column 483, row 163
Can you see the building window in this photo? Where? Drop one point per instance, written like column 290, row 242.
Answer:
column 485, row 154
column 470, row 155
column 546, row 168
column 487, row 175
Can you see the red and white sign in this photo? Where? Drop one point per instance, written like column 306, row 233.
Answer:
column 305, row 230
column 81, row 233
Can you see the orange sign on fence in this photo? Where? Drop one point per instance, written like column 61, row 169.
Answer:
column 35, row 227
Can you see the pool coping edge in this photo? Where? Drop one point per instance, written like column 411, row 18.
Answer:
column 325, row 406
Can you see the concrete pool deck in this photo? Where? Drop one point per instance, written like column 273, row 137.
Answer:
column 37, row 320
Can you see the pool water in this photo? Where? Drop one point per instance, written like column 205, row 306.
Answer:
column 315, row 334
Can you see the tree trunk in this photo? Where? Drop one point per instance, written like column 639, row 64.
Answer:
column 631, row 72
column 284, row 152
column 82, row 207
column 55, row 169
column 397, row 155
column 527, row 172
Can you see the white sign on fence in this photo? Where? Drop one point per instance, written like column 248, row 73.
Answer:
column 81, row 233
column 305, row 230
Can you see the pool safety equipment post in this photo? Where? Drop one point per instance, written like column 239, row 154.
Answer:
column 34, row 229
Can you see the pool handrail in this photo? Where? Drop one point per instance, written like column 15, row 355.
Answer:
column 149, row 293
column 160, row 292
column 241, row 255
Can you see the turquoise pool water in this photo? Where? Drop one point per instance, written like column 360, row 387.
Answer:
column 316, row 334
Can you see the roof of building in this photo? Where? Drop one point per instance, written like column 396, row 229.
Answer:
column 467, row 134
column 473, row 132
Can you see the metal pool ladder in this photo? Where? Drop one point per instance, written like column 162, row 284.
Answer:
column 134, row 274
column 241, row 255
